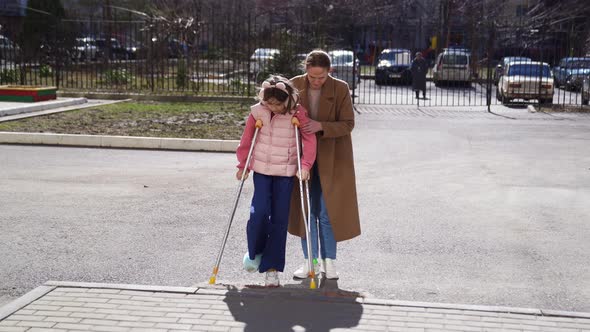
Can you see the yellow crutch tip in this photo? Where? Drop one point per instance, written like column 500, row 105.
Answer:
column 312, row 284
column 212, row 280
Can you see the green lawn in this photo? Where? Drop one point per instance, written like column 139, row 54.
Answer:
column 151, row 119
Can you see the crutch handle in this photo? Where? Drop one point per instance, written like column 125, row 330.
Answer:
column 258, row 123
column 295, row 121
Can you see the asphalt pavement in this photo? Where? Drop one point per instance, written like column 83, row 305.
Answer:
column 460, row 208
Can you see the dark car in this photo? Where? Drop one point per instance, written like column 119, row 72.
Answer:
column 394, row 66
column 117, row 51
column 499, row 70
column 571, row 71
column 135, row 50
column 586, row 90
column 177, row 48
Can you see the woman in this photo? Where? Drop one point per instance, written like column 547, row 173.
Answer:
column 333, row 188
column 419, row 70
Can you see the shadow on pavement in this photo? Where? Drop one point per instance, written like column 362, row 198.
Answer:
column 293, row 308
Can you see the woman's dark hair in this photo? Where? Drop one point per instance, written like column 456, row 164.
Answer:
column 290, row 99
column 318, row 58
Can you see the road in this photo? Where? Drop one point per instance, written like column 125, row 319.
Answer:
column 465, row 207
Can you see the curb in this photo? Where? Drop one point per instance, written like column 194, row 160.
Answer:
column 40, row 291
column 131, row 142
column 89, row 104
column 43, row 107
column 150, row 97
column 24, row 300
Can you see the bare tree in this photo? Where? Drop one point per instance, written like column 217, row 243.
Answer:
column 568, row 18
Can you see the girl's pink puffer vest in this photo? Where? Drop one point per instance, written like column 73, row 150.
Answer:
column 275, row 152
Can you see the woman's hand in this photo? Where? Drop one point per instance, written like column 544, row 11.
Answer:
column 303, row 175
column 312, row 127
column 239, row 174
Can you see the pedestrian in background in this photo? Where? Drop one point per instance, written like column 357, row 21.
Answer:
column 334, row 207
column 419, row 70
column 274, row 162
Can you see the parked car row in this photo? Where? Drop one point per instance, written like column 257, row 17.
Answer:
column 394, row 66
column 570, row 72
column 516, row 77
column 8, row 49
column 345, row 65
column 88, row 48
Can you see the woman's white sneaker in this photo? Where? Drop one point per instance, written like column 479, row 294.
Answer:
column 303, row 271
column 271, row 279
column 329, row 266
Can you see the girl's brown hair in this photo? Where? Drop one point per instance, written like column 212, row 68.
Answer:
column 289, row 98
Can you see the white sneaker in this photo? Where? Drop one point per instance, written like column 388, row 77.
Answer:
column 272, row 279
column 330, row 269
column 303, row 271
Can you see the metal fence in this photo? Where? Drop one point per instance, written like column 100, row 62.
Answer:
column 231, row 57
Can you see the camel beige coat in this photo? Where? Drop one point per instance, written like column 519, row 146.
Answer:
column 334, row 158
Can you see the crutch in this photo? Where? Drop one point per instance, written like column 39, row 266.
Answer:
column 306, row 217
column 238, row 192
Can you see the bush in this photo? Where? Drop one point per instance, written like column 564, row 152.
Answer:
column 242, row 88
column 45, row 71
column 117, row 76
column 9, row 76
column 285, row 64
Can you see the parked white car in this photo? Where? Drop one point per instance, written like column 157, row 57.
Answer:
column 345, row 67
column 452, row 65
column 526, row 80
column 261, row 59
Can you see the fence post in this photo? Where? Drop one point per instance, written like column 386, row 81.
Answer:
column 55, row 53
column 489, row 75
column 151, row 54
column 247, row 54
column 541, row 45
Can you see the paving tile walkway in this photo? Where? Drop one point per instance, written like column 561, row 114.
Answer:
column 67, row 306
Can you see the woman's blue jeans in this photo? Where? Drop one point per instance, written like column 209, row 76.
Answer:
column 319, row 215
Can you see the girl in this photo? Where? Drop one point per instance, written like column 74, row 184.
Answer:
column 274, row 162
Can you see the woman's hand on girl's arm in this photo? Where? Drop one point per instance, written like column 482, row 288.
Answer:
column 311, row 127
